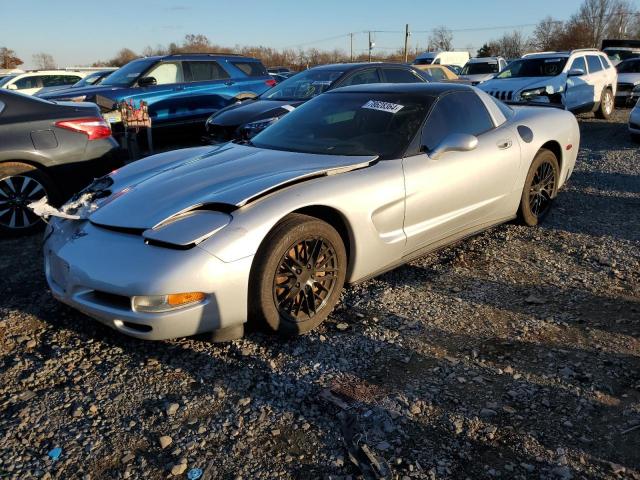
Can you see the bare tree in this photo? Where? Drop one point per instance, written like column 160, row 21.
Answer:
column 196, row 43
column 510, row 45
column 8, row 58
column 123, row 57
column 621, row 22
column 441, row 38
column 545, row 36
column 43, row 61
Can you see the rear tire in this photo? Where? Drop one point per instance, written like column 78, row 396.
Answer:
column 540, row 188
column 607, row 104
column 297, row 276
column 21, row 184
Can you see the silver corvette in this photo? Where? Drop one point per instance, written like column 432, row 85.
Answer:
column 349, row 185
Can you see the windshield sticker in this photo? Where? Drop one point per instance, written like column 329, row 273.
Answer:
column 383, row 106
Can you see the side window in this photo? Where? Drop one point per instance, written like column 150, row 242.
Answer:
column 360, row 78
column 58, row 80
column 580, row 64
column 594, row 64
column 460, row 112
column 400, row 75
column 28, row 82
column 605, row 61
column 166, row 73
column 253, row 69
column 437, row 74
column 204, row 71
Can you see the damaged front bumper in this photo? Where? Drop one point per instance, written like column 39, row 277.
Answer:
column 98, row 271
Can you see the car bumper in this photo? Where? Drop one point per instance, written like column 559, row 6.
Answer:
column 97, row 271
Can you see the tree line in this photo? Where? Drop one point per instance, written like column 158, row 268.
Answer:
column 594, row 21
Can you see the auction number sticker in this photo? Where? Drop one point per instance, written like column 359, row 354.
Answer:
column 383, row 106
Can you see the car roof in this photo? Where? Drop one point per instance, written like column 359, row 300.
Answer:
column 352, row 66
column 200, row 56
column 484, row 59
column 48, row 72
column 431, row 89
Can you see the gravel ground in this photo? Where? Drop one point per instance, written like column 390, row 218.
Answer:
column 515, row 354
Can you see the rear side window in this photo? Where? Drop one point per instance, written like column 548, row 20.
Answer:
column 204, row 71
column 436, row 74
column 28, row 82
column 363, row 77
column 59, row 80
column 594, row 64
column 252, row 69
column 400, row 75
column 166, row 73
column 605, row 62
column 460, row 112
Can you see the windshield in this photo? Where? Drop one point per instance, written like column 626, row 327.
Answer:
column 534, row 67
column 7, row 79
column 91, row 79
column 128, row 74
column 303, row 86
column 632, row 66
column 621, row 55
column 349, row 124
column 480, row 68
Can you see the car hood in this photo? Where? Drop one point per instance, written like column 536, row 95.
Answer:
column 226, row 176
column 252, row 110
column 478, row 78
column 629, row 78
column 90, row 92
column 518, row 84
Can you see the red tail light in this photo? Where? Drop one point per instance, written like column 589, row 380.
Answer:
column 271, row 82
column 95, row 128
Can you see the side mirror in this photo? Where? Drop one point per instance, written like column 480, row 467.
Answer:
column 147, row 82
column 12, row 87
column 576, row 72
column 455, row 142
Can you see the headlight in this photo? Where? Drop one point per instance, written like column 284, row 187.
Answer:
column 535, row 92
column 546, row 94
column 253, row 128
column 164, row 303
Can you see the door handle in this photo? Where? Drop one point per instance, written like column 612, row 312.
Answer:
column 504, row 144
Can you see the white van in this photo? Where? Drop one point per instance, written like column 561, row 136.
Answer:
column 443, row 58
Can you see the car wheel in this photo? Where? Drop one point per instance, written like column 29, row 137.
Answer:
column 297, row 276
column 607, row 104
column 21, row 184
column 540, row 188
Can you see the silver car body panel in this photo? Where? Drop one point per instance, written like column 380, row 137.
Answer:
column 392, row 210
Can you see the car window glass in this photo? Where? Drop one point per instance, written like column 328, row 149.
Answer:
column 579, row 64
column 28, row 82
column 630, row 66
column 253, row 69
column 166, row 73
column 363, row 77
column 400, row 75
column 205, row 71
column 460, row 112
column 1, row 107
column 594, row 64
column 437, row 74
column 303, row 85
column 604, row 61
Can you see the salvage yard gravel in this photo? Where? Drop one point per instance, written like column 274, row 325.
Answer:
column 514, row 354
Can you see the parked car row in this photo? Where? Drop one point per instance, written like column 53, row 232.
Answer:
column 42, row 81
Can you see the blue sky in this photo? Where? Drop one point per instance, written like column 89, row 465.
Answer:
column 80, row 32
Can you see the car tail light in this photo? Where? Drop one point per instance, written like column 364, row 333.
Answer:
column 271, row 82
column 95, row 128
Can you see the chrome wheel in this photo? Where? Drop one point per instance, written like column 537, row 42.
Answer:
column 541, row 189
column 608, row 103
column 305, row 279
column 16, row 193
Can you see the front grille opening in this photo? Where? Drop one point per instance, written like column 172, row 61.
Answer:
column 137, row 327
column 111, row 300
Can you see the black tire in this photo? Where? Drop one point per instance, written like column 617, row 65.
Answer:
column 607, row 104
column 21, row 184
column 539, row 188
column 301, row 258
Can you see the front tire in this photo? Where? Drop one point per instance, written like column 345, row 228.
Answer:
column 21, row 184
column 607, row 104
column 540, row 188
column 297, row 276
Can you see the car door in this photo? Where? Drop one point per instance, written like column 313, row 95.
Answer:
column 460, row 190
column 579, row 91
column 208, row 87
column 597, row 77
column 161, row 99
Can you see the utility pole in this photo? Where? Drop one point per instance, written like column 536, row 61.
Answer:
column 371, row 45
column 351, row 35
column 406, row 42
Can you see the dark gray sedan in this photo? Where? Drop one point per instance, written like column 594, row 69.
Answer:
column 47, row 149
